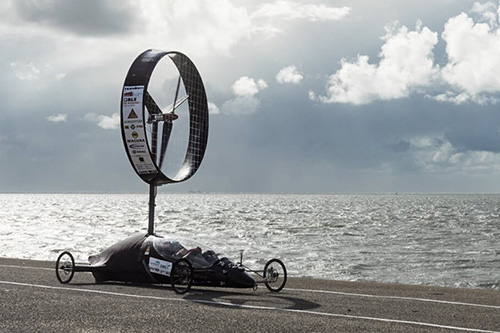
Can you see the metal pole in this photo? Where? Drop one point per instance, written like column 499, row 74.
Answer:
column 152, row 196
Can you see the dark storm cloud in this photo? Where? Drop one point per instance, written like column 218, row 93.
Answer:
column 399, row 145
column 388, row 146
column 479, row 131
column 73, row 156
column 89, row 17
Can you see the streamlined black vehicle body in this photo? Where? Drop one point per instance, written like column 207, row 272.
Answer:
column 179, row 261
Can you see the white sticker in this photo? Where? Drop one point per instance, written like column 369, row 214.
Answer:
column 135, row 133
column 159, row 266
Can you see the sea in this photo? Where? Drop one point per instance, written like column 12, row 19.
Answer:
column 436, row 239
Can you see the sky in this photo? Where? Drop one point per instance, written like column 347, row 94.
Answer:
column 353, row 96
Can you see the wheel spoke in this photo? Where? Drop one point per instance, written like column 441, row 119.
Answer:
column 181, row 276
column 65, row 267
column 275, row 275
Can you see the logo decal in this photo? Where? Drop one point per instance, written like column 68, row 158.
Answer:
column 132, row 114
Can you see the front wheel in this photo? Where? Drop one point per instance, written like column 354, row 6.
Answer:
column 275, row 275
column 65, row 267
column 181, row 276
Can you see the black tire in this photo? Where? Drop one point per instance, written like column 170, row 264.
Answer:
column 181, row 276
column 65, row 267
column 275, row 275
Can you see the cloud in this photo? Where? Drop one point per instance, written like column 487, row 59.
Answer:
column 102, row 17
column 78, row 30
column 269, row 17
column 246, row 86
column 472, row 71
column 451, row 97
column 241, row 105
column 487, row 12
column 406, row 64
column 218, row 25
column 213, row 108
column 206, row 27
column 473, row 50
column 436, row 154
column 57, row 118
column 60, row 76
column 25, row 71
column 104, row 122
column 245, row 102
column 289, row 75
column 290, row 10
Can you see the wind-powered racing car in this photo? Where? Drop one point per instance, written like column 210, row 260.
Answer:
column 149, row 258
column 177, row 261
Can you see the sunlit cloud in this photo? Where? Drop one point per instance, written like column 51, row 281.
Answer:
column 406, row 64
column 105, row 122
column 289, row 75
column 222, row 24
column 435, row 154
column 245, row 101
column 473, row 50
column 246, row 86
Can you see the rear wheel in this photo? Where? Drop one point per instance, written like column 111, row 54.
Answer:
column 65, row 267
column 181, row 276
column 275, row 275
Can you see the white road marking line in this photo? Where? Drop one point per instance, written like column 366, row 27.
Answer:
column 255, row 307
column 396, row 297
column 29, row 267
column 338, row 293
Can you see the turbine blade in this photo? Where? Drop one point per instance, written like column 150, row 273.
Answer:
column 151, row 105
column 165, row 137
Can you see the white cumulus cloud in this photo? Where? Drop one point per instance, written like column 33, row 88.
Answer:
column 105, row 122
column 245, row 101
column 435, row 154
column 473, row 50
column 487, row 12
column 289, row 75
column 246, row 86
column 406, row 64
column 221, row 24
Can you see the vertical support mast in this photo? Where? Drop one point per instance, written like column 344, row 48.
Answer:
column 152, row 197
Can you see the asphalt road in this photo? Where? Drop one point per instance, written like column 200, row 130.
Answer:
column 32, row 300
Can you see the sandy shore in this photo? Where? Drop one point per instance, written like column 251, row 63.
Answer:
column 32, row 300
